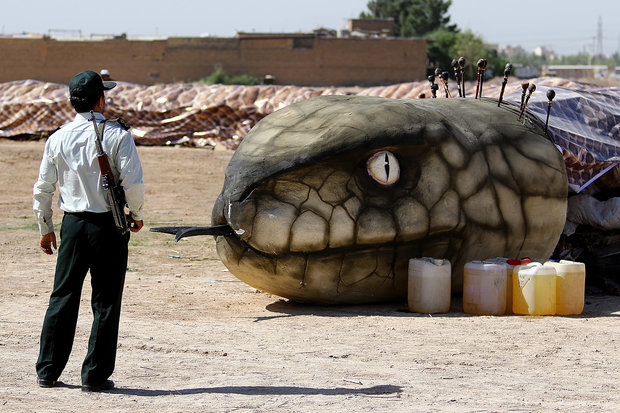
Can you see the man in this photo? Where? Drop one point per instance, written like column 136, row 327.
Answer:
column 105, row 75
column 89, row 239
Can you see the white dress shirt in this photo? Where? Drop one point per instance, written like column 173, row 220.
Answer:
column 70, row 158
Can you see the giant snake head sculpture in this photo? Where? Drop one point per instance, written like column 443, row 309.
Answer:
column 326, row 200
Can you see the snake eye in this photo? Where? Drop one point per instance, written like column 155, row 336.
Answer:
column 383, row 167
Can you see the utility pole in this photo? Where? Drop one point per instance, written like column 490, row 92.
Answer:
column 599, row 38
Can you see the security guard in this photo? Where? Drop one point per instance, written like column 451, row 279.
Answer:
column 89, row 239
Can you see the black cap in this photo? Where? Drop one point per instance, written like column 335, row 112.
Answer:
column 88, row 83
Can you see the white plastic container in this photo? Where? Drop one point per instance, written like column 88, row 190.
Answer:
column 484, row 288
column 429, row 285
column 570, row 286
column 534, row 289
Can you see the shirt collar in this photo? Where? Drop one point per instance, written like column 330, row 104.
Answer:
column 85, row 116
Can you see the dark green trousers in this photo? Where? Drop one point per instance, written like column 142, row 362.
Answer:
column 88, row 241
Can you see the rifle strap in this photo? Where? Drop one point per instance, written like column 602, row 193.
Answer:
column 99, row 138
column 101, row 126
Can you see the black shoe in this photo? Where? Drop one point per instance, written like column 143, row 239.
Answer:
column 47, row 383
column 96, row 387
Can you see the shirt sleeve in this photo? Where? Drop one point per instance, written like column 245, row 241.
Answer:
column 130, row 171
column 43, row 192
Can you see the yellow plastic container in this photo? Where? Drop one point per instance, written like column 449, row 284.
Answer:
column 484, row 288
column 534, row 289
column 570, row 286
column 429, row 285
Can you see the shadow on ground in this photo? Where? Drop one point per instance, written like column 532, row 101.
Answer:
column 265, row 391
column 595, row 306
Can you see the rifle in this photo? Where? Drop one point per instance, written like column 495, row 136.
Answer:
column 114, row 192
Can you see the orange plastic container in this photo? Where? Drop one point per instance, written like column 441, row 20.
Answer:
column 570, row 286
column 429, row 285
column 534, row 289
column 484, row 288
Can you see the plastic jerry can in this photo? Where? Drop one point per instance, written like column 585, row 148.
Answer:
column 570, row 286
column 534, row 289
column 508, row 266
column 429, row 285
column 484, row 288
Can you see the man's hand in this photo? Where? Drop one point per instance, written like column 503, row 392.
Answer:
column 134, row 226
column 46, row 243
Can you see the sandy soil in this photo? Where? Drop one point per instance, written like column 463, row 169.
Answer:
column 194, row 338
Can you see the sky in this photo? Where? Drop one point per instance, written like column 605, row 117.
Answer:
column 564, row 26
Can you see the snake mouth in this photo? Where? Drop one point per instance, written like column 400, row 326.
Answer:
column 436, row 245
column 359, row 274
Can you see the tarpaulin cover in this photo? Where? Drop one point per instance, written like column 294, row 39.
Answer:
column 584, row 121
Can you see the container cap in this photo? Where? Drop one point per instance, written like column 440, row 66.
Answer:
column 521, row 261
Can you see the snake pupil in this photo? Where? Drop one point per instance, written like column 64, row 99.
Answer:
column 387, row 167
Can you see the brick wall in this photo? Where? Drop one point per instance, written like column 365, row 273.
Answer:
column 302, row 60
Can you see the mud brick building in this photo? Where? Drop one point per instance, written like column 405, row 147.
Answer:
column 305, row 59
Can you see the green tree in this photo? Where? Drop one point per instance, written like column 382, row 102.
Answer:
column 518, row 55
column 412, row 18
column 439, row 49
column 430, row 19
column 222, row 78
column 445, row 46
column 473, row 48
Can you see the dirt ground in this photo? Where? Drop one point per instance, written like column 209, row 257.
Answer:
column 194, row 338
